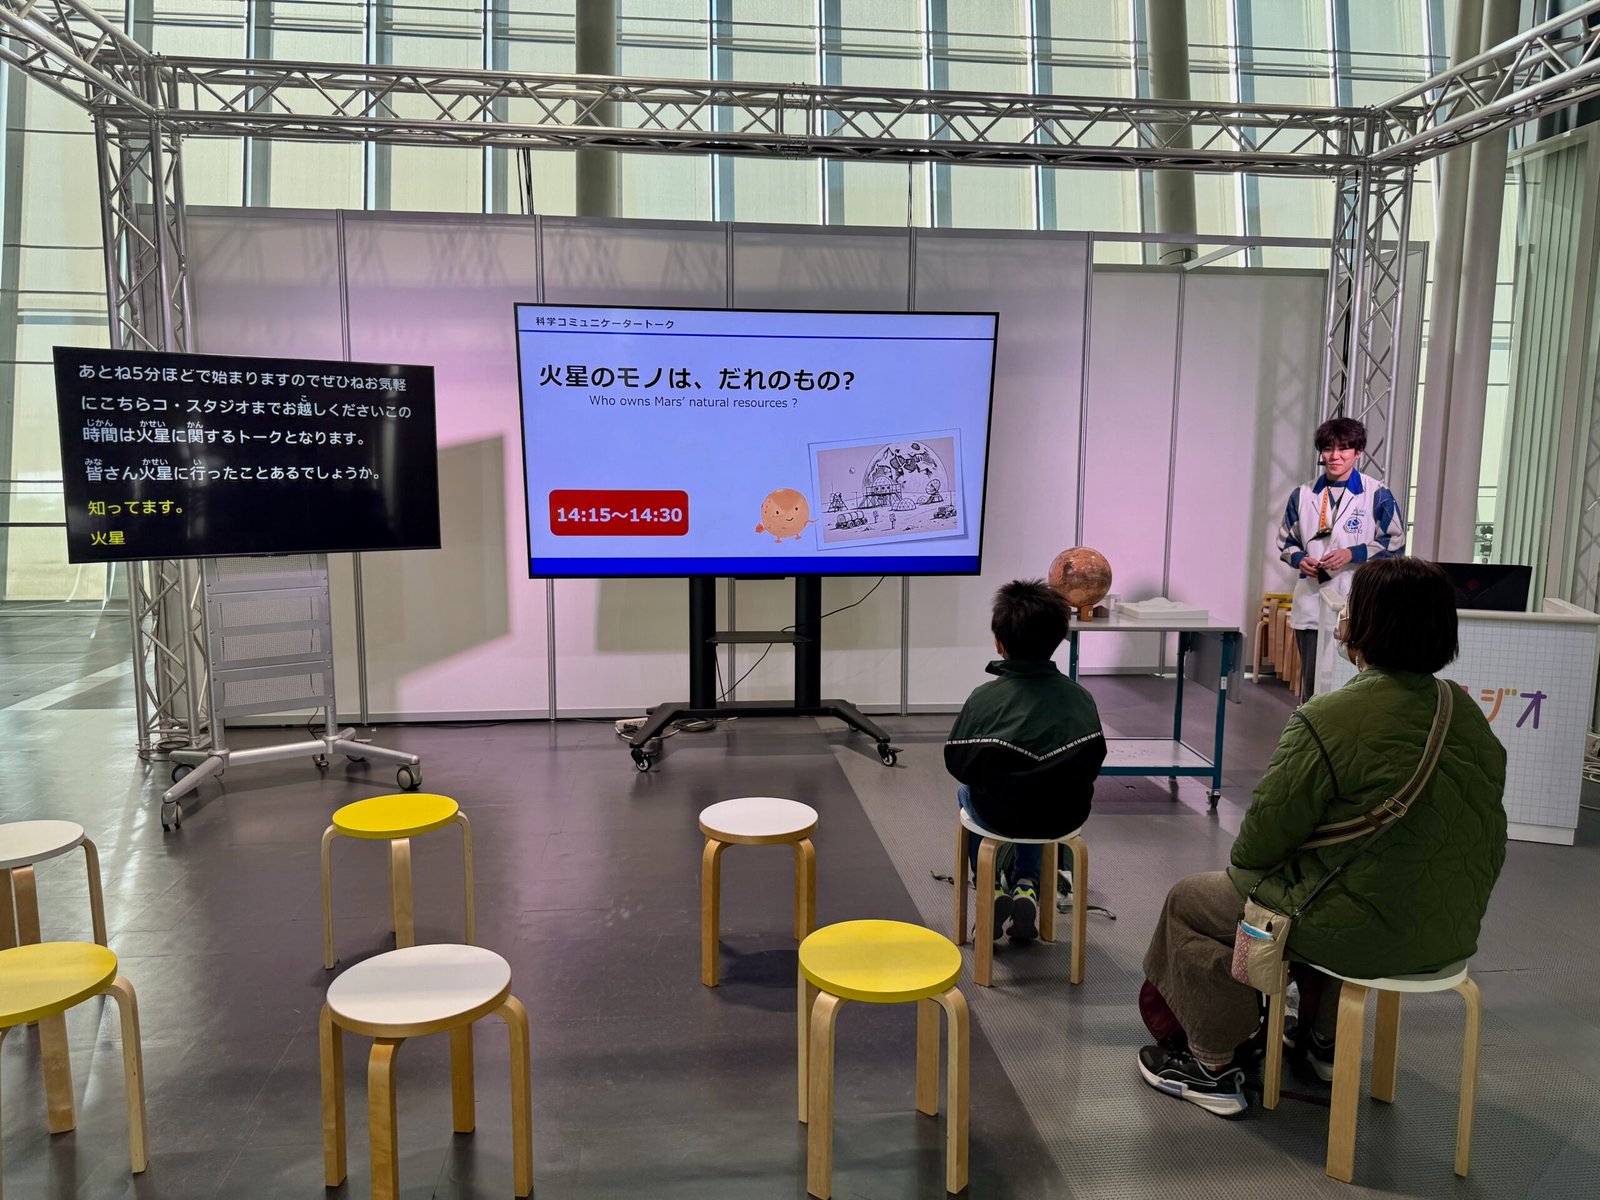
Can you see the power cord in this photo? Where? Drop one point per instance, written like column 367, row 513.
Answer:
column 789, row 629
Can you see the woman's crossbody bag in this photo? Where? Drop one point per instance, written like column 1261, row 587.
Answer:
column 1263, row 934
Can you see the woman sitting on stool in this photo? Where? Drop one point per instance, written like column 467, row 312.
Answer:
column 1410, row 902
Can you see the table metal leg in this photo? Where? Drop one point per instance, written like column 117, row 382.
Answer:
column 1177, row 708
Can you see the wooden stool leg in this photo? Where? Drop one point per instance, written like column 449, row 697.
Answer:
column 1272, row 1065
column 983, row 935
column 819, row 1129
column 1047, row 891
column 516, row 1019
column 1469, row 1073
column 805, row 889
column 928, row 1057
column 1080, row 906
column 8, row 913
column 1346, row 1081
column 52, row 1030
column 4, row 1029
column 382, row 1122
column 466, row 869
column 958, row 1045
column 97, row 900
column 132, row 1071
column 330, row 1041
column 1386, row 1047
column 710, row 909
column 327, row 899
column 959, row 936
column 463, row 1118
column 400, row 895
column 805, row 999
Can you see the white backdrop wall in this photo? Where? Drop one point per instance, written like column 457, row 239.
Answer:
column 1201, row 393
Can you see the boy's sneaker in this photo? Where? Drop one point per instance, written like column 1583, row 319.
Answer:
column 1317, row 1052
column 1178, row 1074
column 1024, row 912
column 1002, row 911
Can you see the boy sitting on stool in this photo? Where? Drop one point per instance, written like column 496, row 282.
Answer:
column 1026, row 747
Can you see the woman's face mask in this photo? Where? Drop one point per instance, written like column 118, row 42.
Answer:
column 1341, row 631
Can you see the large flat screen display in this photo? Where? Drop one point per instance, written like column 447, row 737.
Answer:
column 679, row 441
column 205, row 455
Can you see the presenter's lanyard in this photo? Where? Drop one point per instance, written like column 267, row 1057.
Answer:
column 1324, row 523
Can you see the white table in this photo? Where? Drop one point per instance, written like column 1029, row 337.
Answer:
column 1171, row 756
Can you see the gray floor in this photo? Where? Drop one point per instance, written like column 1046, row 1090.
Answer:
column 647, row 1083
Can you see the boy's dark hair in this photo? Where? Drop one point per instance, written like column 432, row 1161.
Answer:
column 1337, row 432
column 1030, row 619
column 1402, row 615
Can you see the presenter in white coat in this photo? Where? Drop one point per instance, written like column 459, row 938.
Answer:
column 1330, row 527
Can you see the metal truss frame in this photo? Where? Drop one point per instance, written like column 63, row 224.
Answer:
column 1366, row 301
column 145, row 105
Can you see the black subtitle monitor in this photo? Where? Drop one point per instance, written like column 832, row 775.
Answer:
column 208, row 455
column 1499, row 586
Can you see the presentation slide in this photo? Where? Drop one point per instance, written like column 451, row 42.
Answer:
column 663, row 442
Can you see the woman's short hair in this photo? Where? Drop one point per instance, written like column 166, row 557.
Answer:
column 1345, row 432
column 1030, row 619
column 1402, row 615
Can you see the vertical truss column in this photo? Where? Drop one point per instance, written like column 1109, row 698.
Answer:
column 149, row 307
column 1366, row 297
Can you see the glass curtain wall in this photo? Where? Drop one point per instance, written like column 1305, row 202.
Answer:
column 51, row 274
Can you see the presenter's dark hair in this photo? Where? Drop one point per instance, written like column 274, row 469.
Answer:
column 1341, row 432
column 1402, row 615
column 1030, row 619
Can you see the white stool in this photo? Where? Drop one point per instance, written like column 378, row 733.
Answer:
column 22, row 844
column 1385, row 1055
column 983, row 947
column 754, row 821
column 404, row 994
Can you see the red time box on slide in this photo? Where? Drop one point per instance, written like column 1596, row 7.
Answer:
column 618, row 512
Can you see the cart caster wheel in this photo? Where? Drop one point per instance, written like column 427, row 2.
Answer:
column 171, row 817
column 1213, row 798
column 641, row 760
column 322, row 762
column 887, row 754
column 409, row 778
column 179, row 771
column 356, row 757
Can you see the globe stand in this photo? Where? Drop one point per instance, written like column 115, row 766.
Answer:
column 703, row 705
column 1086, row 613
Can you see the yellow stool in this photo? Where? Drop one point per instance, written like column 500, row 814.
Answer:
column 983, row 943
column 395, row 819
column 754, row 821
column 1352, row 996
column 881, row 962
column 406, row 994
column 40, row 982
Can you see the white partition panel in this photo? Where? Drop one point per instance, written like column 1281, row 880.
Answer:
column 1128, row 445
column 784, row 267
column 265, row 282
column 1037, row 283
column 460, row 630
column 624, row 643
column 1247, row 405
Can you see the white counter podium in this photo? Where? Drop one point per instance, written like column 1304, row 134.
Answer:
column 1533, row 674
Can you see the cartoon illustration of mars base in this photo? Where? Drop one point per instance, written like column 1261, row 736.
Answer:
column 887, row 490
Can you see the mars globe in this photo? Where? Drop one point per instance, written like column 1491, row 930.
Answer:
column 1081, row 577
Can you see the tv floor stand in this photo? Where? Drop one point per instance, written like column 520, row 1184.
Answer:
column 703, row 705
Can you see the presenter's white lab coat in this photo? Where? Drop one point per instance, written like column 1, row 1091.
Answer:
column 1367, row 523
